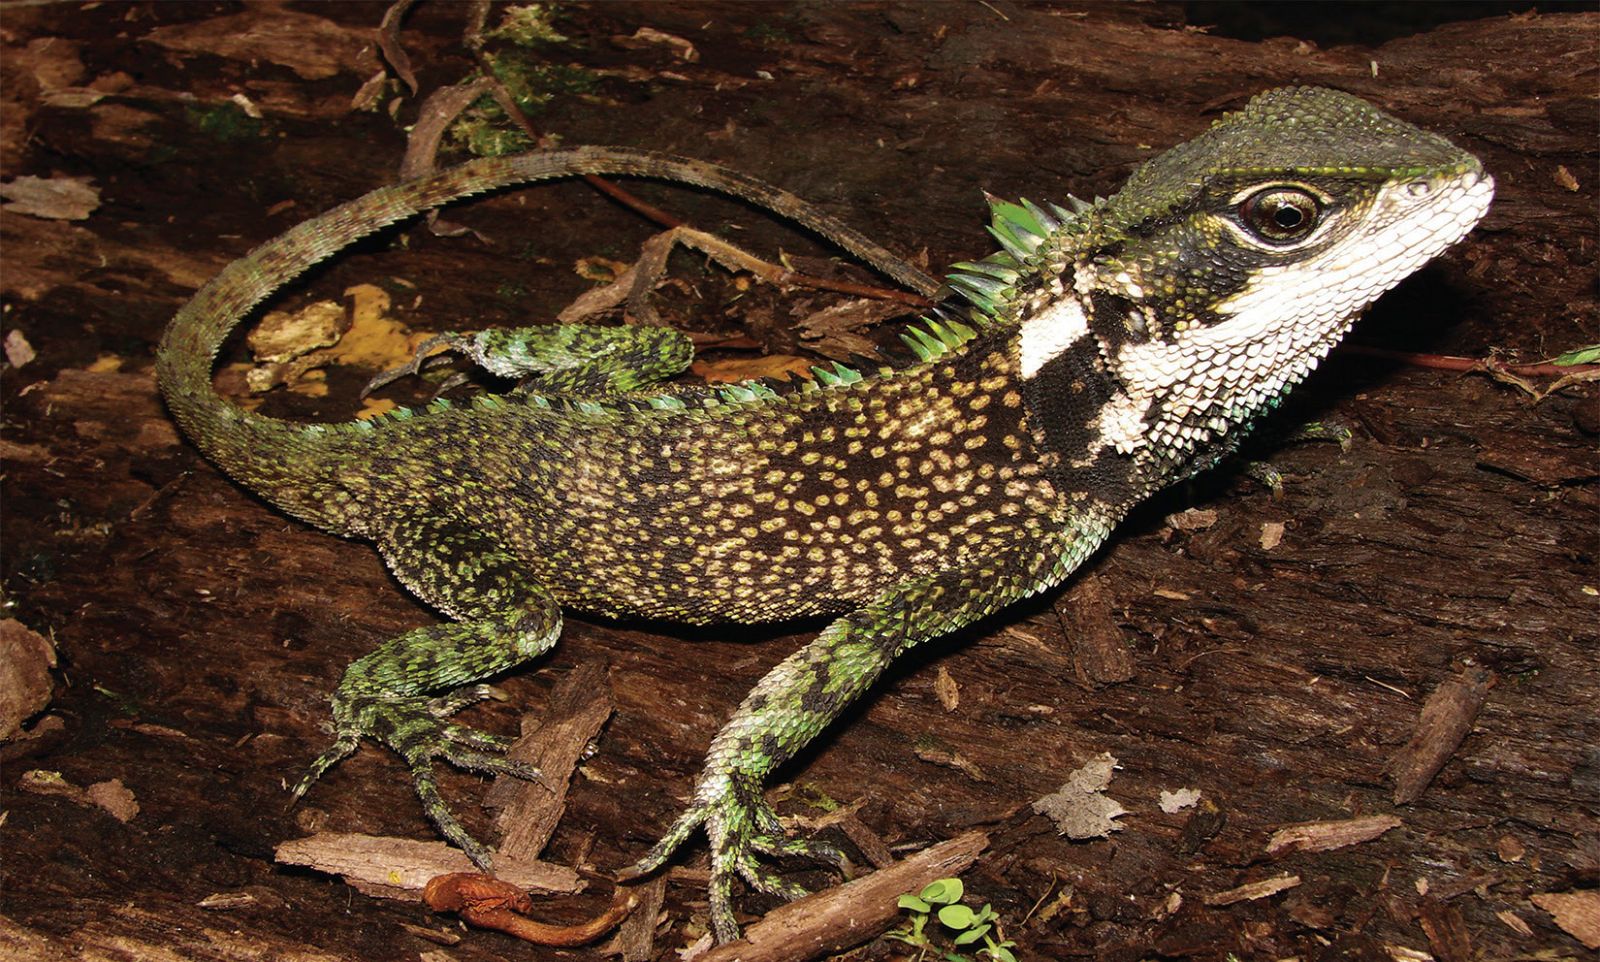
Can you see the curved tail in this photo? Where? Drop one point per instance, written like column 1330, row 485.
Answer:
column 296, row 466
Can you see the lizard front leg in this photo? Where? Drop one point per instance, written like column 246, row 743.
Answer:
column 806, row 691
column 503, row 619
column 575, row 359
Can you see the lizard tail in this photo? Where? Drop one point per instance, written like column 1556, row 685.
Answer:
column 297, row 465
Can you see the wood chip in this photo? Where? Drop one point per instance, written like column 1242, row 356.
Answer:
column 849, row 914
column 938, row 753
column 1509, row 849
column 1174, row 802
column 578, row 708
column 1192, row 519
column 314, row 47
column 635, row 940
column 1326, row 836
column 946, row 689
column 1514, row 922
column 1576, row 912
column 836, row 331
column 1251, row 891
column 872, row 847
column 229, row 901
column 1446, row 718
column 399, row 868
column 1446, row 931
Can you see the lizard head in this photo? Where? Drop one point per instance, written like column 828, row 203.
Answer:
column 1227, row 267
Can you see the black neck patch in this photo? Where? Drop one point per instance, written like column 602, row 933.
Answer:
column 1064, row 400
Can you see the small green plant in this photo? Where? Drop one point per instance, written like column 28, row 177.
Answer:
column 964, row 926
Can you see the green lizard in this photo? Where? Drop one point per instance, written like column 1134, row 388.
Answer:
column 1105, row 352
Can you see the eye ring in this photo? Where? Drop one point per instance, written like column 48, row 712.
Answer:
column 1281, row 215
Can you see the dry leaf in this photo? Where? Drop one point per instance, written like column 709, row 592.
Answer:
column 285, row 335
column 1079, row 808
column 1174, row 802
column 601, row 270
column 297, row 345
column 779, row 366
column 18, row 350
column 313, row 47
column 646, row 37
column 115, row 798
column 54, row 198
column 26, row 658
column 375, row 407
column 836, row 329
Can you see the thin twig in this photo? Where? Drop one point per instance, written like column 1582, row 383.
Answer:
column 651, row 212
column 1445, row 362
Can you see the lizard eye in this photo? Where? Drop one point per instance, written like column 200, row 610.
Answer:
column 1280, row 215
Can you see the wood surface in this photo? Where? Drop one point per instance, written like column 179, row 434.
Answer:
column 1409, row 632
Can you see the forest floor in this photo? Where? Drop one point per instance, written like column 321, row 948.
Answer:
column 1404, row 647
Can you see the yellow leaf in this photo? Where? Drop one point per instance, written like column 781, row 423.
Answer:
column 780, row 366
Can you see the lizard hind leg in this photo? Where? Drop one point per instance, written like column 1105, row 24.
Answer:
column 503, row 618
column 799, row 697
column 574, row 359
column 805, row 692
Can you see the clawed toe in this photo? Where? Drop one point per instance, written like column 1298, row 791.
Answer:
column 740, row 826
column 414, row 366
column 418, row 730
column 810, row 848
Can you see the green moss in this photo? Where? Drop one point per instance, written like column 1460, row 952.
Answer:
column 484, row 129
column 224, row 122
column 509, row 291
column 528, row 24
column 767, row 35
column 485, row 136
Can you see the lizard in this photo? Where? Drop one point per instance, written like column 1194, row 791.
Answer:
column 1104, row 352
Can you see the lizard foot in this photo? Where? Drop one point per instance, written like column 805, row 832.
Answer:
column 419, row 360
column 1268, row 476
column 740, row 825
column 415, row 728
